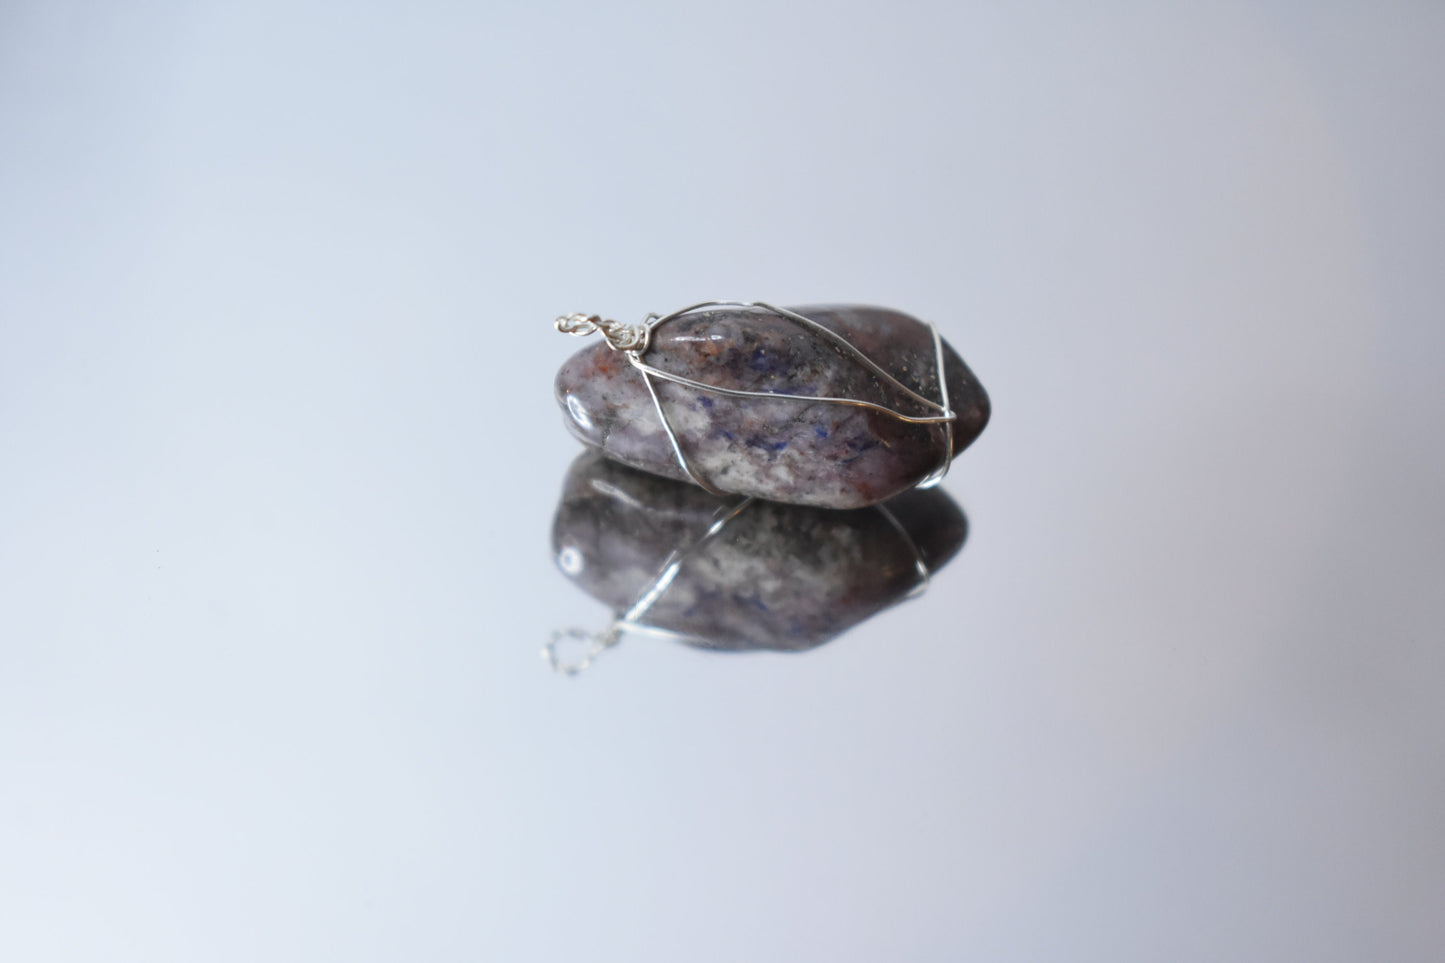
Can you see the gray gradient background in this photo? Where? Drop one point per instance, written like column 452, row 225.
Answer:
column 280, row 458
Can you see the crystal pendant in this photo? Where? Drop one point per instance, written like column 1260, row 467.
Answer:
column 837, row 406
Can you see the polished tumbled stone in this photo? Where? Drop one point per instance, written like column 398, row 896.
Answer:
column 809, row 453
column 782, row 577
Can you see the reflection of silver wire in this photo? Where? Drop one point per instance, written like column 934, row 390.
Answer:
column 602, row 641
column 599, row 642
column 924, row 575
column 634, row 340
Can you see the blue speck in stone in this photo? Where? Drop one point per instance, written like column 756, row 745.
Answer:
column 760, row 360
column 706, row 402
column 820, row 431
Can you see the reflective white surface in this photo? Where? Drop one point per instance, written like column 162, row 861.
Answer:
column 280, row 459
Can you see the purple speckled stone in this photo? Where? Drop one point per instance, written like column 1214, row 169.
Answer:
column 807, row 453
column 782, row 577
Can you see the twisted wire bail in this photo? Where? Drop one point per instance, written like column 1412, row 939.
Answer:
column 619, row 336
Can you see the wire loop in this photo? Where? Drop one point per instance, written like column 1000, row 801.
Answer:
column 619, row 336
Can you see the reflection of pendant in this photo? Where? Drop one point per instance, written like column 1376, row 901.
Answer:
column 737, row 573
column 836, row 406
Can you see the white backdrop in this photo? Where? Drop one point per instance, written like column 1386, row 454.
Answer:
column 280, row 458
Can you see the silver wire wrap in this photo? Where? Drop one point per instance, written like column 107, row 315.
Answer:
column 598, row 643
column 634, row 339
column 620, row 337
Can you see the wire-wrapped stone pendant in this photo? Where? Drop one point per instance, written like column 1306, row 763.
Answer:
column 838, row 406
